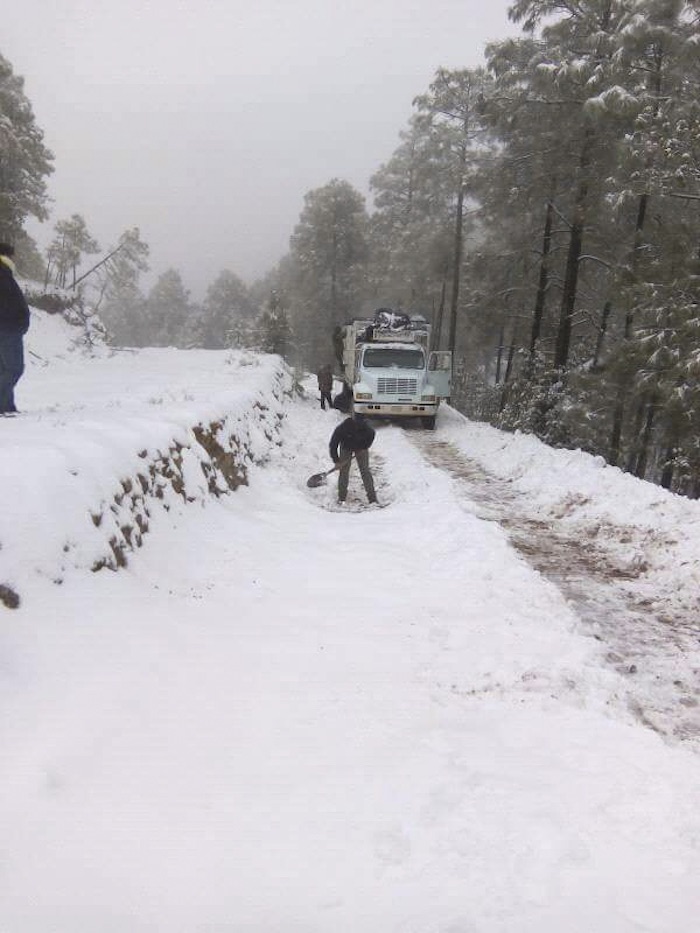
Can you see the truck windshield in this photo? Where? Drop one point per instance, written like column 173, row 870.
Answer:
column 393, row 358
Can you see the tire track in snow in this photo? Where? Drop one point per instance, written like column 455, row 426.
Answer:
column 655, row 650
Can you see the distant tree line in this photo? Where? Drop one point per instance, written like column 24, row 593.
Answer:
column 542, row 210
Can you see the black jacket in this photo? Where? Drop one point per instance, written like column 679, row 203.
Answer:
column 14, row 311
column 343, row 399
column 352, row 434
column 325, row 379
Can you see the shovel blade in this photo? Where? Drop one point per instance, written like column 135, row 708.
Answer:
column 318, row 479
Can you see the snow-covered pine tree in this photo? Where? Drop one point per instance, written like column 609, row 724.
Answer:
column 411, row 248
column 112, row 288
column 169, row 315
column 228, row 307
column 328, row 257
column 272, row 331
column 453, row 110
column 25, row 162
column 71, row 243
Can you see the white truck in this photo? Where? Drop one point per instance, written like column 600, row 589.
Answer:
column 392, row 371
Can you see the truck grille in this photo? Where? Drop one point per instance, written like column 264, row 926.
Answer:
column 387, row 386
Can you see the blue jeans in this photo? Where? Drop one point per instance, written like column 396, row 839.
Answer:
column 11, row 368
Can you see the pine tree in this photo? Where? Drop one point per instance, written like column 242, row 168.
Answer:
column 328, row 260
column 124, row 307
column 25, row 162
column 452, row 109
column 272, row 331
column 228, row 307
column 410, row 254
column 169, row 315
column 71, row 243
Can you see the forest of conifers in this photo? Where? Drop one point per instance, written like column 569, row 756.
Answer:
column 542, row 210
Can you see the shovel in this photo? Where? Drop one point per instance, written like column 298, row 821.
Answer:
column 318, row 479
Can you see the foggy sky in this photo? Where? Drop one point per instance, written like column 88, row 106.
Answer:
column 205, row 124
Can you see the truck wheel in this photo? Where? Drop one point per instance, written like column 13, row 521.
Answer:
column 429, row 422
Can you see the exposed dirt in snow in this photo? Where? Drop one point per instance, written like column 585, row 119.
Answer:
column 356, row 498
column 599, row 569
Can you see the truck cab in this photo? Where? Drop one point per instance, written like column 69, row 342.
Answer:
column 393, row 372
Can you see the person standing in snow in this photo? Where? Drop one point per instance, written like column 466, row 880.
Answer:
column 343, row 400
column 339, row 347
column 325, row 385
column 353, row 437
column 14, row 324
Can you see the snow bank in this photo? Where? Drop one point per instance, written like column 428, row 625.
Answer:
column 79, row 490
column 652, row 527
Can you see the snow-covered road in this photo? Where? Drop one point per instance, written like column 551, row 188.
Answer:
column 282, row 717
column 651, row 637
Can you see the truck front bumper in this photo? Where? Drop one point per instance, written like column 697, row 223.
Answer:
column 396, row 409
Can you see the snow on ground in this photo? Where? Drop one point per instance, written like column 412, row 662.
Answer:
column 283, row 716
column 582, row 489
column 631, row 583
column 91, row 420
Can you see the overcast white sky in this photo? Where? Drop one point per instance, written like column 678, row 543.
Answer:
column 205, row 124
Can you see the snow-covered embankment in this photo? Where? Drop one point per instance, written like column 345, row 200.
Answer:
column 80, row 492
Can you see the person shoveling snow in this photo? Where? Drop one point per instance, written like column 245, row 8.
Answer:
column 353, row 437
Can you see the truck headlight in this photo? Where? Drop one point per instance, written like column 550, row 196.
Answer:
column 427, row 398
column 363, row 396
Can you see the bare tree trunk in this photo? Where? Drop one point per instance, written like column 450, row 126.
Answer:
column 499, row 358
column 543, row 280
column 619, row 410
column 602, row 330
column 652, row 408
column 622, row 389
column 437, row 329
column 616, row 434
column 669, row 467
column 98, row 264
column 62, row 265
column 635, row 433
column 506, row 378
column 459, row 235
column 509, row 364
column 334, row 275
column 568, row 298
